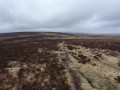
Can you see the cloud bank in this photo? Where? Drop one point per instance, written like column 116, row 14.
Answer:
column 83, row 16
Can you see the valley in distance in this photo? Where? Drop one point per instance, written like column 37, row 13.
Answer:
column 59, row 61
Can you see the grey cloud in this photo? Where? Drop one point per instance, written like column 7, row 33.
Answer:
column 87, row 16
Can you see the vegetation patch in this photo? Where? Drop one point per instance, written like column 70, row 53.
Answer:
column 31, row 66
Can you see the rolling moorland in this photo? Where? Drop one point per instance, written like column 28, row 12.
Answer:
column 59, row 61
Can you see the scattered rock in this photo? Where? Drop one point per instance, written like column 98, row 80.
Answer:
column 97, row 58
column 119, row 63
column 82, row 56
column 117, row 79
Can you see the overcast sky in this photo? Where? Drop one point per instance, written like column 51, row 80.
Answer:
column 83, row 16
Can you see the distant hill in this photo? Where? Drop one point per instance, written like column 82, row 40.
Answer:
column 35, row 36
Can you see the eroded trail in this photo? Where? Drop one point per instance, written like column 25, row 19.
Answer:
column 97, row 68
column 90, row 69
column 72, row 74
